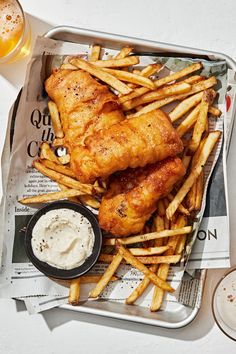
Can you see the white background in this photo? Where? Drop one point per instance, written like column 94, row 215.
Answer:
column 203, row 24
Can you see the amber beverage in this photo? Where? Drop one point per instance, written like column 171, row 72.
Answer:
column 14, row 32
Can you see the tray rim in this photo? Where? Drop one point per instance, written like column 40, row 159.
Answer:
column 166, row 47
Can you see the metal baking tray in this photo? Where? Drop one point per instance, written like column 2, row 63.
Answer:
column 180, row 315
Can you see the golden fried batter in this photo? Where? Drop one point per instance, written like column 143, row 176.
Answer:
column 132, row 143
column 133, row 194
column 85, row 105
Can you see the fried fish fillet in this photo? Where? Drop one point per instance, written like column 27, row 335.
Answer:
column 133, row 194
column 134, row 142
column 85, row 105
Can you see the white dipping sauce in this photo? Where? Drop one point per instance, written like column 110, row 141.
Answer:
column 62, row 238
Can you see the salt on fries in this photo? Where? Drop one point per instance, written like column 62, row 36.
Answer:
column 140, row 92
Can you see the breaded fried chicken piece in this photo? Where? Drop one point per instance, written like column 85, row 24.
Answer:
column 85, row 105
column 133, row 194
column 134, row 142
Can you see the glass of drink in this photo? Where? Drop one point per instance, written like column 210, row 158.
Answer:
column 14, row 32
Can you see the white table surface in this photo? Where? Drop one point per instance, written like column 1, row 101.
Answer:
column 205, row 24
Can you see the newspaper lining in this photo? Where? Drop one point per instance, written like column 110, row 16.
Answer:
column 19, row 278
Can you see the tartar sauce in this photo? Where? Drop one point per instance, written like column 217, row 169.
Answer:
column 62, row 238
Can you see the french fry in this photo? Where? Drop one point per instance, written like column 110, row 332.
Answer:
column 95, row 53
column 184, row 106
column 164, row 92
column 151, row 69
column 136, row 71
column 132, row 260
column 135, row 93
column 64, row 160
column 72, row 199
column 138, row 291
column 186, row 161
column 56, row 122
column 116, row 63
column 90, row 201
column 194, row 79
column 161, row 208
column 131, row 77
column 149, row 236
column 199, row 191
column 124, row 52
column 148, row 251
column 48, row 154
column 102, row 75
column 68, row 66
column 188, row 122
column 49, row 197
column 163, row 269
column 74, row 292
column 181, row 208
column 107, row 258
column 191, row 197
column 215, row 111
column 106, row 276
column 87, row 279
column 179, row 74
column 207, row 148
column 59, row 168
column 196, row 88
column 200, row 125
column 62, row 179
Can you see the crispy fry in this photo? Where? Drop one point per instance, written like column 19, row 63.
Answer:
column 163, row 269
column 102, row 75
column 68, row 66
column 72, row 199
column 138, row 291
column 90, row 201
column 65, row 159
column 198, row 87
column 147, row 237
column 186, row 161
column 208, row 146
column 194, row 79
column 177, row 75
column 131, row 77
column 161, row 208
column 124, row 52
column 67, row 181
column 184, row 106
column 87, row 279
column 188, row 122
column 164, row 92
column 151, row 69
column 95, row 53
column 135, row 93
column 59, row 168
column 49, row 197
column 199, row 191
column 148, row 251
column 56, row 122
column 142, row 268
column 200, row 126
column 74, row 292
column 181, row 208
column 107, row 258
column 48, row 154
column 191, row 197
column 215, row 111
column 106, row 276
column 117, row 63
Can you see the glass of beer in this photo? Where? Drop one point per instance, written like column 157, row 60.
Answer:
column 14, row 32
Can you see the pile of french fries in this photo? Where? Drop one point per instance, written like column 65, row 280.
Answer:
column 139, row 91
